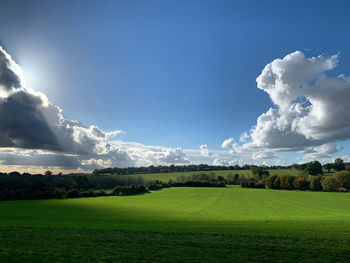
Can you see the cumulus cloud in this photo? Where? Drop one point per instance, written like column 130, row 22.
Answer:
column 263, row 155
column 205, row 151
column 220, row 162
column 321, row 152
column 311, row 112
column 244, row 137
column 144, row 155
column 28, row 120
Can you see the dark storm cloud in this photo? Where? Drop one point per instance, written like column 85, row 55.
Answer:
column 22, row 124
column 28, row 120
column 33, row 158
column 8, row 78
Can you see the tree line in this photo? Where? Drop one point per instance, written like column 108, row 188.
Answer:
column 310, row 178
column 15, row 186
column 173, row 168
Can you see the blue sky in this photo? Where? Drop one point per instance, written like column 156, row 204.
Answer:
column 167, row 73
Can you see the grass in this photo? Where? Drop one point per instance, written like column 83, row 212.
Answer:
column 164, row 177
column 180, row 225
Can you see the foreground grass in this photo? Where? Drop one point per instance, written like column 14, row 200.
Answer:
column 180, row 225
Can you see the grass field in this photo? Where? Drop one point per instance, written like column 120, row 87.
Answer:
column 180, row 225
column 164, row 177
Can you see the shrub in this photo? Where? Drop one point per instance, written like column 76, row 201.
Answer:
column 128, row 190
column 300, row 183
column 270, row 181
column 315, row 183
column 343, row 179
column 286, row 182
column 329, row 184
column 59, row 193
column 81, row 182
column 221, row 184
column 253, row 183
column 154, row 187
column 72, row 193
column 277, row 183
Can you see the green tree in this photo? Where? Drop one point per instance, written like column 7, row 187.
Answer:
column 339, row 164
column 329, row 184
column 315, row 183
column 81, row 182
column 300, row 183
column 270, row 181
column 328, row 167
column 343, row 179
column 286, row 182
column 314, row 168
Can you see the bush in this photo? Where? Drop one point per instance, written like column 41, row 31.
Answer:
column 300, row 183
column 154, row 187
column 72, row 193
column 315, row 183
column 287, row 181
column 270, row 181
column 329, row 184
column 253, row 183
column 343, row 179
column 128, row 190
column 59, row 193
column 277, row 183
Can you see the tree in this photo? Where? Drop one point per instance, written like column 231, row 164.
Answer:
column 315, row 183
column 329, row 184
column 277, row 183
column 81, row 182
column 48, row 172
column 314, row 168
column 15, row 173
column 258, row 172
column 270, row 181
column 286, row 182
column 300, row 183
column 328, row 167
column 339, row 164
column 343, row 179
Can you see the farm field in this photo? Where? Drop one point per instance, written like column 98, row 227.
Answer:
column 164, row 177
column 230, row 224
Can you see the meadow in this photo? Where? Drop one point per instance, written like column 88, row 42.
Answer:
column 230, row 224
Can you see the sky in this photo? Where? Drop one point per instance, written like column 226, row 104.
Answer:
column 92, row 84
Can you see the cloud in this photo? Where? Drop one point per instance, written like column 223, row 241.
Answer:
column 311, row 109
column 220, row 162
column 38, row 158
column 263, row 155
column 323, row 152
column 145, row 155
column 244, row 137
column 28, row 120
column 205, row 151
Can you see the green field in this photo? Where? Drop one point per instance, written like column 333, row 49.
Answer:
column 164, row 177
column 180, row 225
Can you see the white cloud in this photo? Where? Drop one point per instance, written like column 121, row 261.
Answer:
column 205, row 151
column 229, row 143
column 323, row 152
column 262, row 155
column 244, row 137
column 312, row 110
column 144, row 155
